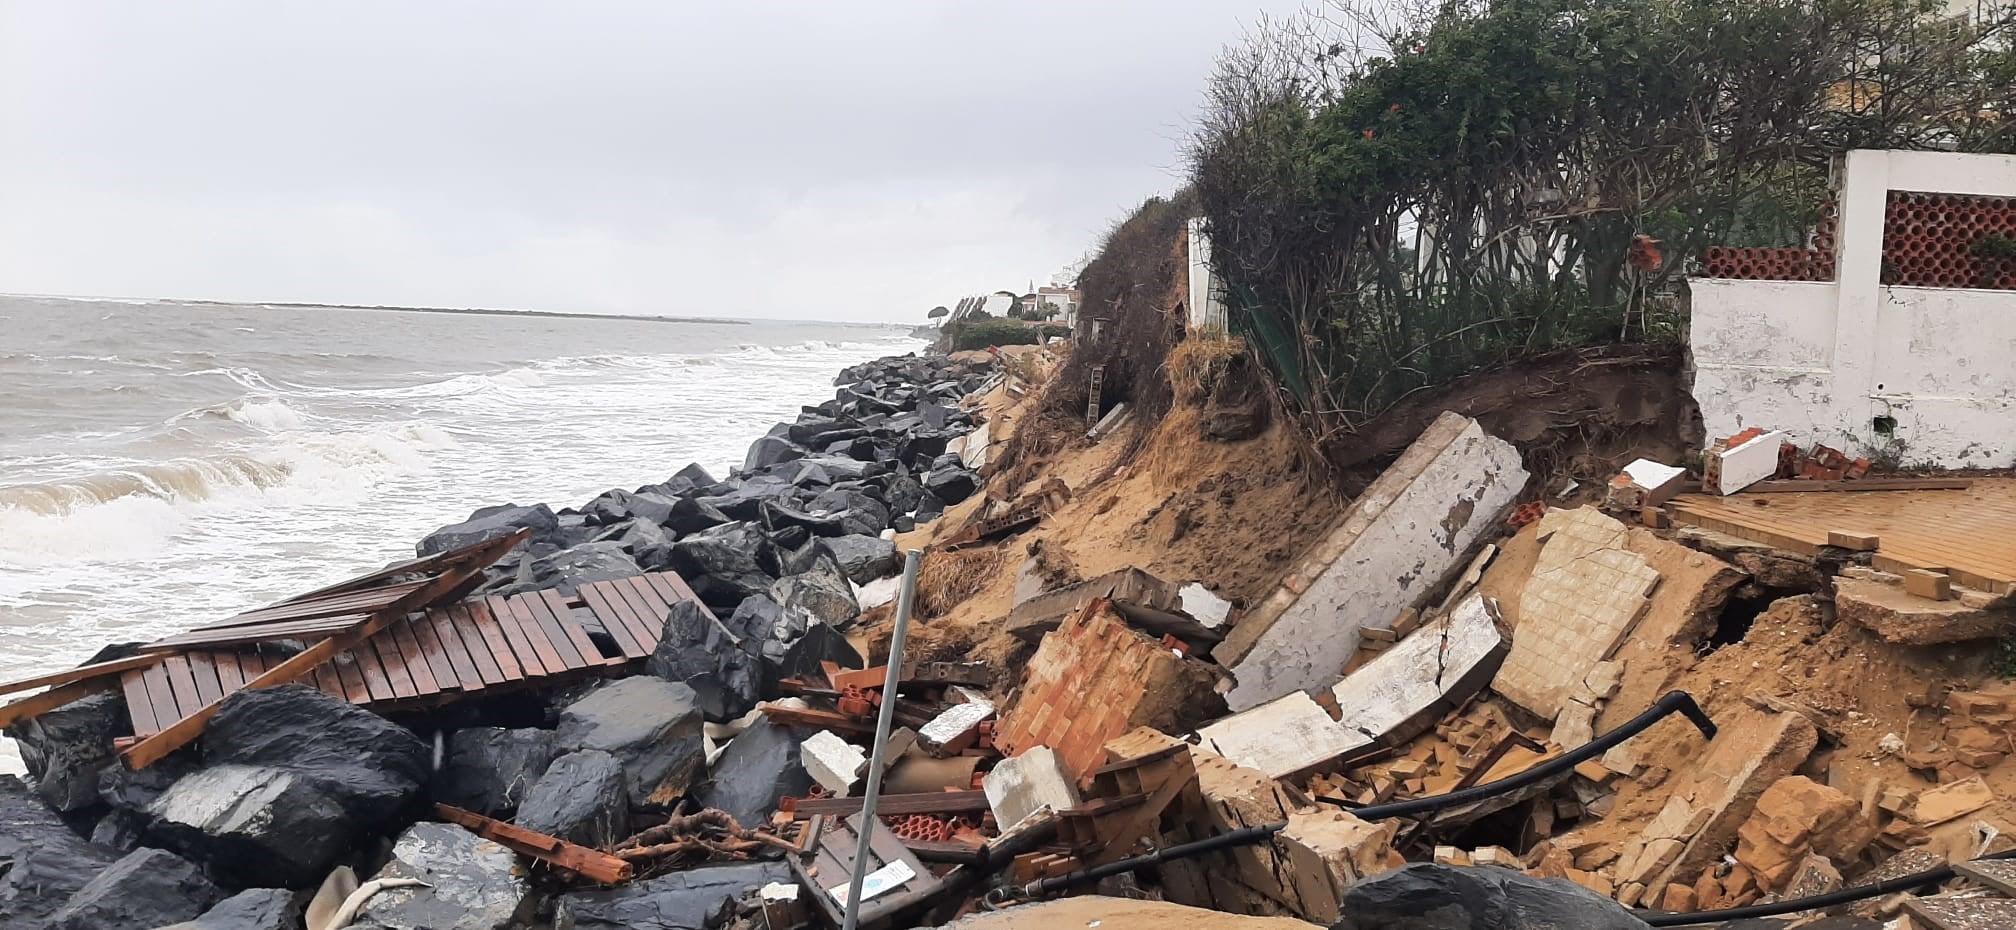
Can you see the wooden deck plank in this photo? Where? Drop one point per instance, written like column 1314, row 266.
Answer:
column 80, row 673
column 473, row 641
column 355, row 602
column 514, row 634
column 401, row 632
column 597, row 598
column 203, row 669
column 375, row 680
column 435, row 653
column 351, row 677
column 651, row 606
column 324, row 677
column 183, row 685
column 591, row 654
column 394, row 662
column 229, row 675
column 542, row 645
column 678, row 583
column 451, row 644
column 492, row 631
column 138, row 705
column 563, row 645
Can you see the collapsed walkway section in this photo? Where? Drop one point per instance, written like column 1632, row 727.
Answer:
column 1401, row 538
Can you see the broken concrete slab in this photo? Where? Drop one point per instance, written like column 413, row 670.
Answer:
column 1397, row 542
column 1387, row 701
column 957, row 727
column 1951, row 800
column 1207, row 607
column 1586, row 590
column 1095, row 678
column 1741, row 461
column 1643, row 483
column 1751, row 752
column 833, row 762
column 1026, row 784
column 1327, row 852
column 1900, row 617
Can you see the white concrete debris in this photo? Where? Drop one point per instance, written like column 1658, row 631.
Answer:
column 955, row 723
column 1408, row 532
column 1020, row 787
column 1207, row 608
column 1749, row 462
column 833, row 762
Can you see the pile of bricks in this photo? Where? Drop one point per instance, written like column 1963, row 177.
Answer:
column 1801, row 829
column 1934, row 240
column 1824, row 463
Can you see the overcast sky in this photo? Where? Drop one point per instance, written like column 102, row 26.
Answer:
column 840, row 160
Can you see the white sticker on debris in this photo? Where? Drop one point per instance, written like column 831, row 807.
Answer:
column 881, row 881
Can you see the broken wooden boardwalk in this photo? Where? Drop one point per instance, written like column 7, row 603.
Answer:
column 1968, row 533
column 417, row 659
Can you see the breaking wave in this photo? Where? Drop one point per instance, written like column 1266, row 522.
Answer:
column 181, row 480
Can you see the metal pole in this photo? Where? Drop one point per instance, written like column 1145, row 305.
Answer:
column 904, row 599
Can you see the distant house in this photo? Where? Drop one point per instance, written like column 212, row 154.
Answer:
column 1063, row 300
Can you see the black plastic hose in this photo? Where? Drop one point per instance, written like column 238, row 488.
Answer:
column 1830, row 899
column 1673, row 702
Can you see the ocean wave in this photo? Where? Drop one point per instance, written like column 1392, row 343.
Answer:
column 192, row 479
column 269, row 414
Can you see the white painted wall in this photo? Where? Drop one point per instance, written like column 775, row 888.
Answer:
column 1207, row 295
column 1823, row 360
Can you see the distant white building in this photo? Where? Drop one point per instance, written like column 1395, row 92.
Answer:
column 1207, row 293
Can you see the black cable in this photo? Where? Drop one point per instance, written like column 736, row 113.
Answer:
column 1860, row 892
column 1673, row 702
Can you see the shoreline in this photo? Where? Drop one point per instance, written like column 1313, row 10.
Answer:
column 473, row 311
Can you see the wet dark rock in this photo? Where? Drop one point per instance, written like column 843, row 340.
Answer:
column 700, row 899
column 42, row 863
column 952, row 485
column 574, row 529
column 569, row 569
column 865, row 449
column 699, row 652
column 252, row 909
column 580, row 799
column 864, row 558
column 119, row 829
column 647, row 543
column 859, row 513
column 918, row 449
column 902, row 493
column 619, row 506
column 787, row 539
column 1426, row 896
column 146, row 888
column 767, row 627
column 903, row 524
column 293, row 778
column 491, row 522
column 693, row 475
column 824, row 594
column 934, row 415
column 777, row 516
column 756, row 770
column 770, row 450
column 726, row 563
column 652, row 727
column 930, row 508
column 489, row 769
column 806, row 656
column 128, row 790
column 744, row 501
column 64, row 749
column 690, row 516
column 471, row 884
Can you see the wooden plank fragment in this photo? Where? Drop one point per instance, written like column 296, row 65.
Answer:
column 422, row 673
column 563, row 615
column 138, row 706
column 473, row 641
column 514, row 635
column 605, row 608
column 394, row 663
column 492, row 632
column 535, row 634
column 35, row 705
column 553, row 851
column 436, row 654
column 926, row 802
column 80, row 673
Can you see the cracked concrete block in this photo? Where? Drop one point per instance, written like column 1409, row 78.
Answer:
column 1031, row 782
column 1586, row 591
column 833, row 762
column 1407, row 533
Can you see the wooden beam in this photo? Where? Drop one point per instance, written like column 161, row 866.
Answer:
column 80, row 673
column 1795, row 485
column 553, row 851
column 35, row 705
column 923, row 802
column 180, row 733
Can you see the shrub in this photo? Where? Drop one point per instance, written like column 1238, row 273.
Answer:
column 979, row 334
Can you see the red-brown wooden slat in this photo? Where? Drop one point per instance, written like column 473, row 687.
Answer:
column 656, row 603
column 401, row 632
column 356, row 602
column 375, row 681
column 300, row 629
column 542, row 645
column 569, row 654
column 647, row 610
column 252, row 661
column 451, row 643
column 678, row 584
column 204, row 670
column 325, row 677
column 436, row 654
column 161, row 695
column 591, row 654
column 187, row 699
column 138, row 705
column 514, row 634
column 613, row 619
column 394, row 663
column 492, row 631
column 229, row 675
column 354, row 689
column 472, row 640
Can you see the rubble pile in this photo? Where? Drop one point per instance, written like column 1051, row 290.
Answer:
column 1436, row 715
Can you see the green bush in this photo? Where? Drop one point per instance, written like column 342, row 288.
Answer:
column 979, row 334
